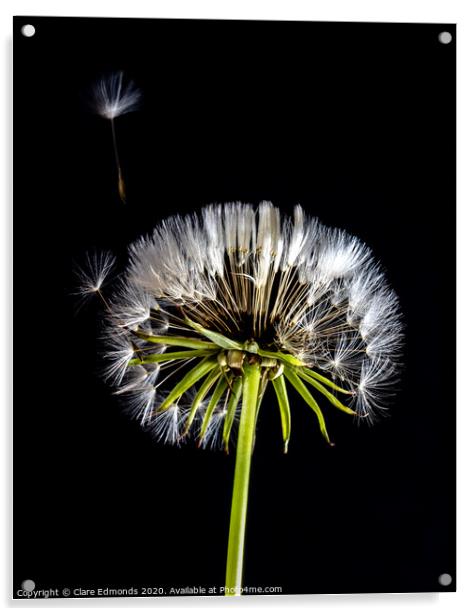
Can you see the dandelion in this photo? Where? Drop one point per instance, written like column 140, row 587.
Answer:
column 113, row 97
column 215, row 307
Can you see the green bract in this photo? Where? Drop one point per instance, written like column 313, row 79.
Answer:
column 219, row 364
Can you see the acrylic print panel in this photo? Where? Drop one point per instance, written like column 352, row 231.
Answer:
column 253, row 328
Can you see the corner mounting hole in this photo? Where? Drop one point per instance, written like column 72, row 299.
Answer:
column 445, row 37
column 28, row 30
column 28, row 585
column 445, row 579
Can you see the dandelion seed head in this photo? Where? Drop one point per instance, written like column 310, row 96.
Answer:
column 252, row 274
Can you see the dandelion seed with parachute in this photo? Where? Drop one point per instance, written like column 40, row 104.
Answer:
column 113, row 96
column 92, row 274
column 217, row 310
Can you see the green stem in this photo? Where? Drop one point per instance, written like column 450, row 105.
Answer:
column 239, row 503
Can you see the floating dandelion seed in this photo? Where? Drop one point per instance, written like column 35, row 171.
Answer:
column 223, row 303
column 113, row 97
column 92, row 275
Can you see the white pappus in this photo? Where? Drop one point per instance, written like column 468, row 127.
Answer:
column 113, row 96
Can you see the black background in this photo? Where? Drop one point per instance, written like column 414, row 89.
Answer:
column 354, row 121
